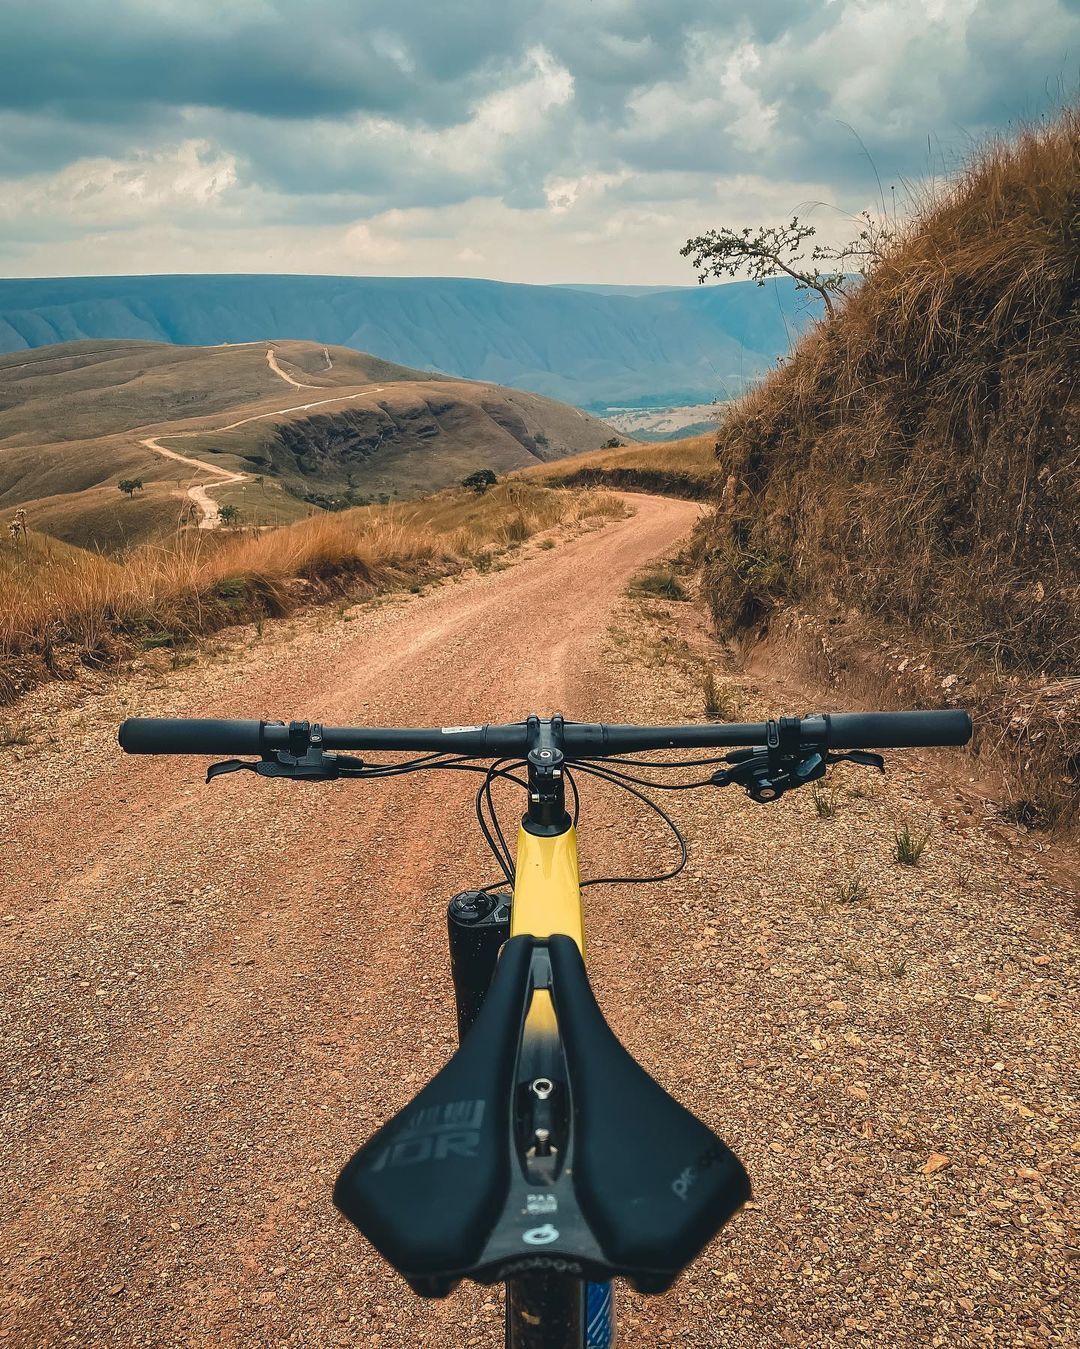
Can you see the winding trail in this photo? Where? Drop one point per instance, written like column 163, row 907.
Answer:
column 209, row 511
column 272, row 362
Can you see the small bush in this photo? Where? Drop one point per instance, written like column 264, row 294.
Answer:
column 154, row 641
column 1021, row 811
column 480, row 481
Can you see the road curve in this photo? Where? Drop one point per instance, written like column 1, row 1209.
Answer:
column 272, row 362
column 211, row 996
column 209, row 513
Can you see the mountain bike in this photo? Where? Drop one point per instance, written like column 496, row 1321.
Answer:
column 542, row 1156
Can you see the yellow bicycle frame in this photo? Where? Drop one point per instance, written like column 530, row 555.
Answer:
column 547, row 901
column 547, row 889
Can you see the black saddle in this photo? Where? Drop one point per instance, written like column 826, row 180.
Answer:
column 541, row 1145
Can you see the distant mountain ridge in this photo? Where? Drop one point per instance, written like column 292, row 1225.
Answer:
column 594, row 347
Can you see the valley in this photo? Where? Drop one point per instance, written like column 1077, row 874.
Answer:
column 664, row 423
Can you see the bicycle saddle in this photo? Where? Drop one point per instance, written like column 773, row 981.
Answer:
column 541, row 1145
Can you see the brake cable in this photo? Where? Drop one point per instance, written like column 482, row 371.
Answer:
column 765, row 772
column 616, row 780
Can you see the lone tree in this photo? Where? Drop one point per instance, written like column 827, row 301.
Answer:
column 779, row 250
column 130, row 485
column 480, row 481
column 229, row 515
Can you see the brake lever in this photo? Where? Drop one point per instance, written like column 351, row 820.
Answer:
column 313, row 766
column 860, row 756
column 216, row 770
column 765, row 774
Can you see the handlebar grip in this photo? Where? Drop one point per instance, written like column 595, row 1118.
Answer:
column 189, row 735
column 898, row 730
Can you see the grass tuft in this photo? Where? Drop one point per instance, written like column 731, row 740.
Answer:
column 659, row 582
column 824, row 799
column 13, row 734
column 909, row 847
column 850, row 891
column 715, row 705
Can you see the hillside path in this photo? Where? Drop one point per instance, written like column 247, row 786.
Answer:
column 209, row 996
column 272, row 362
column 209, row 512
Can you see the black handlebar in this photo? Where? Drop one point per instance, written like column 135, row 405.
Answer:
column 190, row 735
column 838, row 730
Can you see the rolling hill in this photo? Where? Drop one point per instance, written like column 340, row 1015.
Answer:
column 594, row 347
column 280, row 426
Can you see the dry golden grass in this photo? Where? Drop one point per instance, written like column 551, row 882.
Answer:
column 684, row 468
column 915, row 462
column 58, row 602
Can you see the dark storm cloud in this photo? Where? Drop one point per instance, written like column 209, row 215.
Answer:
column 314, row 59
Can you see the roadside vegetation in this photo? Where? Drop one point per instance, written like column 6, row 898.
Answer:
column 900, row 500
column 62, row 607
column 679, row 468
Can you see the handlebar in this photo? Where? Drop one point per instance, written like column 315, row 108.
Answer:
column 578, row 740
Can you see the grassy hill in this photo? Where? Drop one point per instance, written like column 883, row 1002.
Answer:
column 328, row 424
column 908, row 484
column 592, row 347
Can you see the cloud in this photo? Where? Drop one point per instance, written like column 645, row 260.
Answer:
column 306, row 134
column 183, row 181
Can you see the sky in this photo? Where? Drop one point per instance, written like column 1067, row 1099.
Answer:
column 523, row 140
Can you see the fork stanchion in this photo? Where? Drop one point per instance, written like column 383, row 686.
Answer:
column 478, row 923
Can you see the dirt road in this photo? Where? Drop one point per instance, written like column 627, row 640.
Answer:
column 199, row 493
column 209, row 513
column 272, row 362
column 211, row 995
